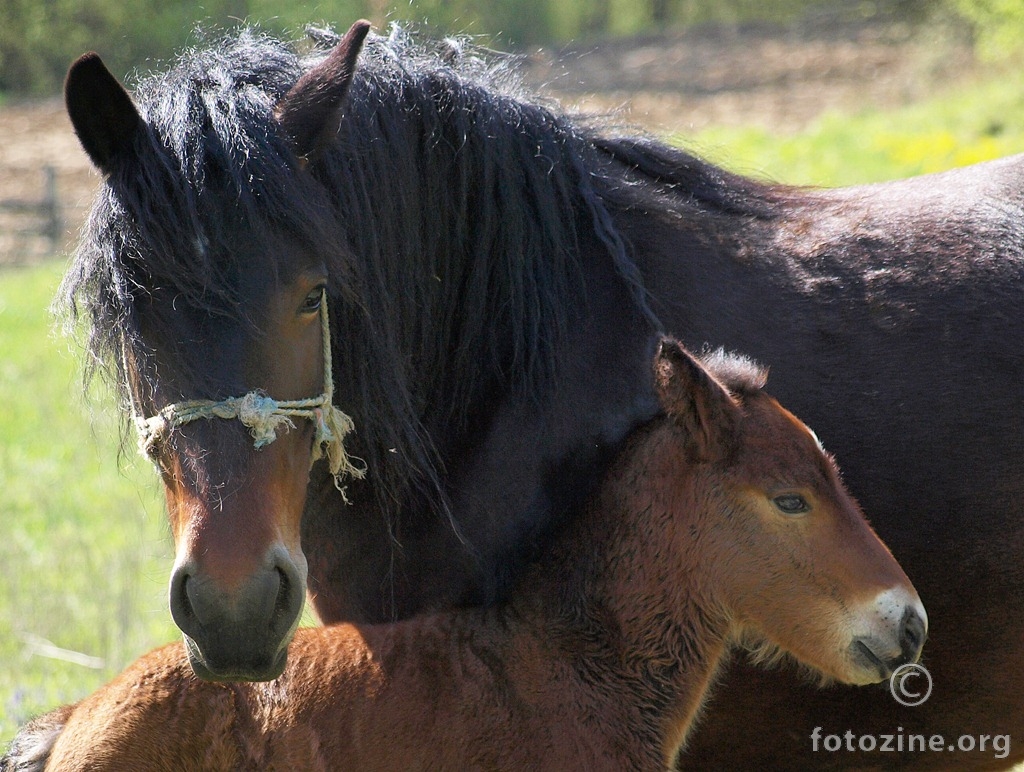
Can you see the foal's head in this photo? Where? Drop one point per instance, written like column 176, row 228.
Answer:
column 784, row 550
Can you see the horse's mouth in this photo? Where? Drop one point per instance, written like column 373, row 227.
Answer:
column 255, row 669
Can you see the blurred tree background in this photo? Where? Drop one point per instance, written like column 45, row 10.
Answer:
column 38, row 38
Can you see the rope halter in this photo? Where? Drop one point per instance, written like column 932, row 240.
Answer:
column 264, row 416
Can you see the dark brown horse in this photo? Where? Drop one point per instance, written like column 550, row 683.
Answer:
column 496, row 274
column 721, row 520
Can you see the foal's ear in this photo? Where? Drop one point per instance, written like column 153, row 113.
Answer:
column 696, row 401
column 102, row 113
column 310, row 112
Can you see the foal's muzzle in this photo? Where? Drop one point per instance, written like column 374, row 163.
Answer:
column 884, row 653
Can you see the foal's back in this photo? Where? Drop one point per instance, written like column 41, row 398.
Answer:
column 349, row 696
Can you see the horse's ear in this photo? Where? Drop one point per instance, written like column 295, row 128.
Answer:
column 310, row 112
column 696, row 401
column 102, row 113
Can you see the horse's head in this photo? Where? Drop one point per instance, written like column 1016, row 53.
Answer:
column 205, row 269
column 784, row 546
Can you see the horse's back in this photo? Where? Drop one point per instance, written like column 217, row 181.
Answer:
column 947, row 222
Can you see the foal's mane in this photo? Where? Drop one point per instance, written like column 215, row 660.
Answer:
column 451, row 213
column 738, row 373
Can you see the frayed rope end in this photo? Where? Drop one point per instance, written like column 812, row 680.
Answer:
column 331, row 427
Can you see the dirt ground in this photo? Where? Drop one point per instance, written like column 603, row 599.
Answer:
column 781, row 78
column 32, row 136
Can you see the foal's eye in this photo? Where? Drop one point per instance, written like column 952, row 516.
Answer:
column 311, row 303
column 791, row 504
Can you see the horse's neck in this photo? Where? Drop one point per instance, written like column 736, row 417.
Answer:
column 627, row 574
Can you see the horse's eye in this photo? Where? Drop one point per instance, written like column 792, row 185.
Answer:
column 311, row 304
column 791, row 504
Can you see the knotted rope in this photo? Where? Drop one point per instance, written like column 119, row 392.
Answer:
column 264, row 416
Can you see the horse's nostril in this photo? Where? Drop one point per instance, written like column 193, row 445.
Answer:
column 182, row 609
column 288, row 599
column 240, row 631
column 283, row 603
column 186, row 604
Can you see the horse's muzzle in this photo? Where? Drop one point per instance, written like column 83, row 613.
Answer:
column 241, row 635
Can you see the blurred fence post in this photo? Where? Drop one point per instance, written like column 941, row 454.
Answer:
column 53, row 225
column 45, row 214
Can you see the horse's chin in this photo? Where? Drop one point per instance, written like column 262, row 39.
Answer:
column 258, row 670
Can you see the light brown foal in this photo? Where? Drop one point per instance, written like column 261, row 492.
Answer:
column 721, row 519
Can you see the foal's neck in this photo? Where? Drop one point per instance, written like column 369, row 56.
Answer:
column 627, row 574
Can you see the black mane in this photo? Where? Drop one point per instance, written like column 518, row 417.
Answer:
column 466, row 297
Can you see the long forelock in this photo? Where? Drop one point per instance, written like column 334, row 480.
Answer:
column 206, row 167
column 226, row 168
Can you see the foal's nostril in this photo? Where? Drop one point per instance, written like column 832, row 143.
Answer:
column 912, row 634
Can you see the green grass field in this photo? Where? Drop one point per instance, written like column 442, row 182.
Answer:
column 976, row 122
column 85, row 550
